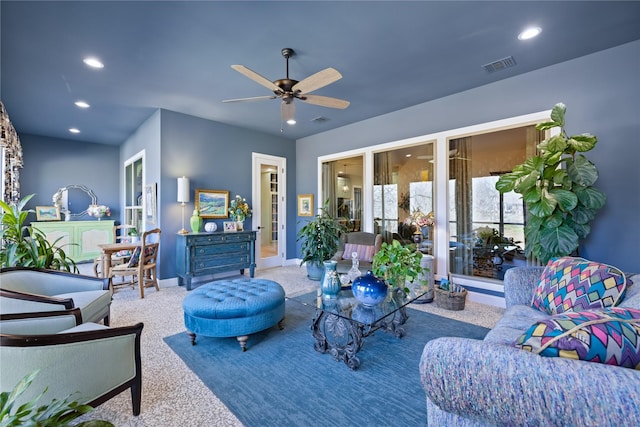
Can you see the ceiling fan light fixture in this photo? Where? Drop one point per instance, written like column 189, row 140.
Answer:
column 288, row 111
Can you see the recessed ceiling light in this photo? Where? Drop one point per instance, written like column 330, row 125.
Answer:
column 82, row 104
column 93, row 62
column 291, row 121
column 408, row 155
column 529, row 33
column 74, row 130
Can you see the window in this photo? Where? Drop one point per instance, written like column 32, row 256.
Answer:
column 487, row 226
column 342, row 187
column 402, row 185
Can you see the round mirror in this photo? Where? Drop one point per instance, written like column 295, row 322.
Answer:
column 74, row 200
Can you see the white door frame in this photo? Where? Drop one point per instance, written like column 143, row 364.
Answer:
column 257, row 160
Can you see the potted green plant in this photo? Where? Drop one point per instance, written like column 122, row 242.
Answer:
column 25, row 246
column 557, row 189
column 320, row 237
column 397, row 264
column 58, row 413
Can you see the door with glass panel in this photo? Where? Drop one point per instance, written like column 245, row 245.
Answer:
column 269, row 207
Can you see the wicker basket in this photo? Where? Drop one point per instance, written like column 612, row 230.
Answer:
column 450, row 300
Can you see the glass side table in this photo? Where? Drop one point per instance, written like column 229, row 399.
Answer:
column 340, row 324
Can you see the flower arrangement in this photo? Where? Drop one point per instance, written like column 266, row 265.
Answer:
column 239, row 209
column 421, row 219
column 98, row 211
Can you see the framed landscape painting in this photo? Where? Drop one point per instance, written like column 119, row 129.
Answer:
column 47, row 213
column 212, row 203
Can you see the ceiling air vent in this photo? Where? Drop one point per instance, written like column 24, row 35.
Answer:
column 320, row 119
column 500, row 64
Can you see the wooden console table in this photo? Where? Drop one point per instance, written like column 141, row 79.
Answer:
column 200, row 254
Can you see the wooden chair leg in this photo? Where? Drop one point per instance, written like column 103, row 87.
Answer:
column 141, row 285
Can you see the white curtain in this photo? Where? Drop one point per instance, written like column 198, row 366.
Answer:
column 329, row 188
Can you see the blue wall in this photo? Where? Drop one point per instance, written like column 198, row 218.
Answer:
column 51, row 163
column 213, row 156
column 602, row 94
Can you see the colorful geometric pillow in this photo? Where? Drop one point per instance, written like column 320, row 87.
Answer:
column 610, row 336
column 365, row 252
column 135, row 257
column 573, row 284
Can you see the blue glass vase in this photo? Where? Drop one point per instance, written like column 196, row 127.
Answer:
column 369, row 290
column 330, row 283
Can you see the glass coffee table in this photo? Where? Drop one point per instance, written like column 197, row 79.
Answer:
column 341, row 323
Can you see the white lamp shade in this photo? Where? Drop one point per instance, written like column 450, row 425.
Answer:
column 183, row 190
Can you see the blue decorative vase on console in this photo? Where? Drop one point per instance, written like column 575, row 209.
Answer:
column 369, row 290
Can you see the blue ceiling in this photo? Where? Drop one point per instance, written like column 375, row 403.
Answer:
column 178, row 56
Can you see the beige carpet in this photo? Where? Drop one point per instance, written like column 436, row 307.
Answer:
column 172, row 395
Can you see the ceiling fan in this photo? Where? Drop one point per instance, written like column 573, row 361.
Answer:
column 288, row 89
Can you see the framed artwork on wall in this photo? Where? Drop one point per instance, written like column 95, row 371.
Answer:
column 305, row 204
column 47, row 213
column 212, row 203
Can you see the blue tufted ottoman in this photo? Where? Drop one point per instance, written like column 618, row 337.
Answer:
column 233, row 308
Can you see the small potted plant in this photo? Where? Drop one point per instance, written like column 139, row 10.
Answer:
column 133, row 234
column 320, row 238
column 397, row 264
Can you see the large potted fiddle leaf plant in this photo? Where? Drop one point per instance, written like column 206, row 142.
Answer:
column 320, row 239
column 25, row 246
column 557, row 189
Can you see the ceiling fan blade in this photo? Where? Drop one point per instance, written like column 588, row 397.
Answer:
column 253, row 98
column 317, row 80
column 325, row 101
column 256, row 77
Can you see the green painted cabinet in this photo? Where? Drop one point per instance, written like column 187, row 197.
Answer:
column 79, row 239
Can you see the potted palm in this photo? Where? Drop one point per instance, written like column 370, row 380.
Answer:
column 25, row 246
column 320, row 237
column 557, row 188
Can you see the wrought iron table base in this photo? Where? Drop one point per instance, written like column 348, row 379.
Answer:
column 343, row 338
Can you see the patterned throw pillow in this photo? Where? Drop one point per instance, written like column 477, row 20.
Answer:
column 365, row 252
column 573, row 284
column 135, row 257
column 610, row 336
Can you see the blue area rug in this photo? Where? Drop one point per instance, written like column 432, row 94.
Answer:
column 282, row 381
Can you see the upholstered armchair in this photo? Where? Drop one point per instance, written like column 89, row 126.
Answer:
column 28, row 289
column 91, row 361
column 366, row 244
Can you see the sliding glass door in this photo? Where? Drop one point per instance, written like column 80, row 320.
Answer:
column 342, row 190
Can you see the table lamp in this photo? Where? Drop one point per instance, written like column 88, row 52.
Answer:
column 183, row 197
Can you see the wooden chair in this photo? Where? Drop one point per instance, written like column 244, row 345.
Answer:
column 143, row 262
column 120, row 232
